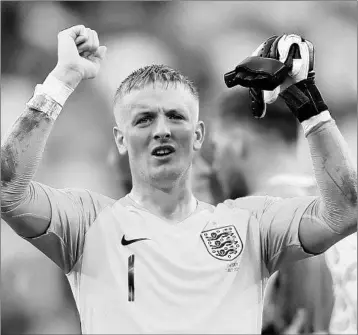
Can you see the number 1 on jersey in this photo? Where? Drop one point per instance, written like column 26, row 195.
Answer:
column 131, row 278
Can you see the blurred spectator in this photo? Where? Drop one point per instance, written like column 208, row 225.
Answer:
column 342, row 261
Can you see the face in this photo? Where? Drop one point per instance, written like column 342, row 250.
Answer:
column 159, row 130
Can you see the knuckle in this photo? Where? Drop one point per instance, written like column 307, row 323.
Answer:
column 96, row 36
column 80, row 28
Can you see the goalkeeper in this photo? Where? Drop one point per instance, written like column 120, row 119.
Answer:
column 158, row 260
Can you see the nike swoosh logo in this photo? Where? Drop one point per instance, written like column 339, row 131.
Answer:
column 127, row 242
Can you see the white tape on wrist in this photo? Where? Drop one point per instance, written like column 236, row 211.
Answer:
column 44, row 103
column 56, row 89
column 50, row 97
column 315, row 120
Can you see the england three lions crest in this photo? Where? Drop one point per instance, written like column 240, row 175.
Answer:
column 223, row 243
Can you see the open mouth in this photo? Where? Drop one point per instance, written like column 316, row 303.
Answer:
column 163, row 151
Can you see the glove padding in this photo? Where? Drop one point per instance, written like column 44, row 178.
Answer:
column 263, row 71
column 269, row 66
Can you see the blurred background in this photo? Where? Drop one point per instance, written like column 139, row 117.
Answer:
column 201, row 39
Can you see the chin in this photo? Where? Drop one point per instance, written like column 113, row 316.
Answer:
column 166, row 175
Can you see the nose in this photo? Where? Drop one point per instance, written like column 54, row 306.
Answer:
column 161, row 129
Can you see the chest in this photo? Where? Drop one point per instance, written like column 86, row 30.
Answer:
column 139, row 274
column 139, row 257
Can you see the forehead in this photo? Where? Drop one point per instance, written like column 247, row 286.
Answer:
column 159, row 96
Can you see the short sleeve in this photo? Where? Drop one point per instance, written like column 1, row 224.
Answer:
column 279, row 224
column 72, row 213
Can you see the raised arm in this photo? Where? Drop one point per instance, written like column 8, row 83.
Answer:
column 25, row 204
column 333, row 215
column 295, row 228
column 298, row 227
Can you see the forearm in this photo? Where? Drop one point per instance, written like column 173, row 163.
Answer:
column 22, row 149
column 336, row 176
column 21, row 152
column 333, row 215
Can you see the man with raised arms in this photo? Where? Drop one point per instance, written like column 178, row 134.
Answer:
column 158, row 260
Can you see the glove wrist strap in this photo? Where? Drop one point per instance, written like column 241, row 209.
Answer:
column 304, row 99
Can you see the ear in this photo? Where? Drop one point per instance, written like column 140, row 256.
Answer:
column 199, row 135
column 120, row 140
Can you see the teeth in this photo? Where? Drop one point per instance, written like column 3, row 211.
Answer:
column 162, row 152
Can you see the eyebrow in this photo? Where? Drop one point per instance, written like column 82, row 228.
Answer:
column 147, row 110
column 143, row 113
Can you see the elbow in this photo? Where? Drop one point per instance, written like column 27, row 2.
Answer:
column 351, row 188
column 8, row 165
column 8, row 172
column 351, row 194
column 340, row 217
column 349, row 197
column 7, row 200
column 12, row 196
column 351, row 204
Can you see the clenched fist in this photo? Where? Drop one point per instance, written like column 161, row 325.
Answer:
column 79, row 55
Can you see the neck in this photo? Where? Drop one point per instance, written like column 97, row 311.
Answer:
column 270, row 164
column 174, row 204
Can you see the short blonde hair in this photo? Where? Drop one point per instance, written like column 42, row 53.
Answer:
column 153, row 74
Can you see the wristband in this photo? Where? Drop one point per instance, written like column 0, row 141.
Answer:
column 50, row 97
column 304, row 99
column 44, row 103
column 56, row 89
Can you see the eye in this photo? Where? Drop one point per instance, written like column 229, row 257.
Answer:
column 144, row 120
column 175, row 116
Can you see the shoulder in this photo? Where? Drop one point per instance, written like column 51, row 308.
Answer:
column 82, row 200
column 88, row 197
column 98, row 199
column 254, row 204
column 124, row 208
column 244, row 208
column 75, row 197
column 266, row 206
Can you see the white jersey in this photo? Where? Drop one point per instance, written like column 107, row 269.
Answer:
column 132, row 272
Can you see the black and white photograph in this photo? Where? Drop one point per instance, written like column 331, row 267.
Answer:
column 179, row 167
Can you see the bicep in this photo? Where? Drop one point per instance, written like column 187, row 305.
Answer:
column 56, row 221
column 279, row 226
column 31, row 215
column 315, row 235
column 44, row 207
